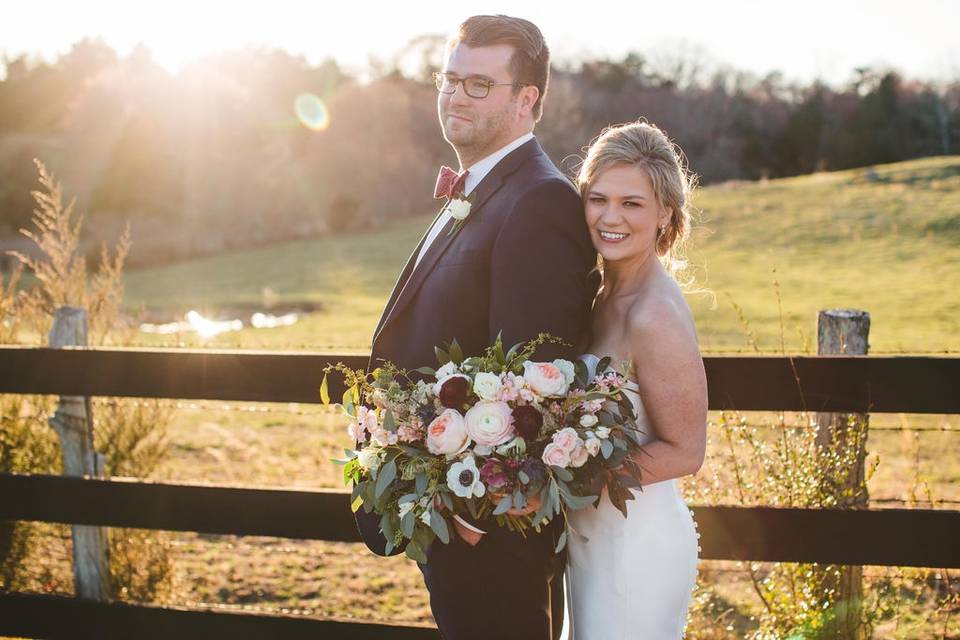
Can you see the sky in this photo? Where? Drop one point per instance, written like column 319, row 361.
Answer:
column 822, row 39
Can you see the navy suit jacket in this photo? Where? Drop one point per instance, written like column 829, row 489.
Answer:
column 521, row 264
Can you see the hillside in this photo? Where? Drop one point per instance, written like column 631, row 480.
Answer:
column 884, row 239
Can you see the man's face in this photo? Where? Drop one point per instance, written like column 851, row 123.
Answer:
column 479, row 126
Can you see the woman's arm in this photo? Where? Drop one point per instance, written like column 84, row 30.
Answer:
column 673, row 388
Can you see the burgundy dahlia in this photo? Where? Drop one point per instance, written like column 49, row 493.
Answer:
column 454, row 391
column 527, row 421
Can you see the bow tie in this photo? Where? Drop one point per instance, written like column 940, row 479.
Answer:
column 449, row 183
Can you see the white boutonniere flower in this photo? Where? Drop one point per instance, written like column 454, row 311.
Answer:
column 459, row 209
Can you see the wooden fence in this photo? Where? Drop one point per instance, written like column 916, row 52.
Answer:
column 893, row 537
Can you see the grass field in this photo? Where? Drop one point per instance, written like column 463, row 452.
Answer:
column 886, row 240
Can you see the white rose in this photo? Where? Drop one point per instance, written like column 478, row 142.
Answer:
column 490, row 423
column 447, row 370
column 588, row 420
column 593, row 446
column 579, row 456
column 369, row 458
column 447, row 433
column 459, row 209
column 567, row 368
column 486, row 385
column 545, row 378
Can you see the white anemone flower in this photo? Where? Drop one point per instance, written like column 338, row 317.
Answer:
column 463, row 478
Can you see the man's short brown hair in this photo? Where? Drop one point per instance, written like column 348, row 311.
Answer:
column 530, row 63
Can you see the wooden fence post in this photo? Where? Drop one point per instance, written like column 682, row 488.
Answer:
column 73, row 422
column 841, row 440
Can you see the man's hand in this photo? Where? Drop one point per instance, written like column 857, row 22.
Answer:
column 467, row 535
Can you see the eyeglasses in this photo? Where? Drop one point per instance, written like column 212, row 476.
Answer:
column 474, row 87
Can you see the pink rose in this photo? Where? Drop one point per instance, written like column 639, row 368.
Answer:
column 545, row 378
column 579, row 456
column 556, row 456
column 567, row 439
column 490, row 423
column 447, row 433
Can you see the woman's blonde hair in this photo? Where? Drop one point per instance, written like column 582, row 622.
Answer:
column 646, row 146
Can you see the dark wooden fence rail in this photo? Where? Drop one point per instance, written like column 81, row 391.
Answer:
column 838, row 384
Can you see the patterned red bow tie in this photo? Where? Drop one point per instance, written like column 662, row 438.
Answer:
column 449, row 183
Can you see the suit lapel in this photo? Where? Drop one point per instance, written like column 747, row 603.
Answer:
column 490, row 184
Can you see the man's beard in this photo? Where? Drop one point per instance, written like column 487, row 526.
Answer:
column 481, row 134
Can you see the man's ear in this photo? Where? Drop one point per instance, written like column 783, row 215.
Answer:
column 528, row 97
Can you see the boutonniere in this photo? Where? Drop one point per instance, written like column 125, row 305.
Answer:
column 459, row 209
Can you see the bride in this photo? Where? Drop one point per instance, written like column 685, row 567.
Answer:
column 632, row 577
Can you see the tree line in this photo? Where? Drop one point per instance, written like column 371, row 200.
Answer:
column 214, row 157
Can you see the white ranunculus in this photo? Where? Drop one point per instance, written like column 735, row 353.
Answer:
column 486, row 385
column 490, row 423
column 459, row 209
column 567, row 368
column 463, row 478
column 588, row 420
column 447, row 433
column 545, row 378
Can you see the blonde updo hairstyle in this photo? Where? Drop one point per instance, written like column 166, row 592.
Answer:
column 645, row 146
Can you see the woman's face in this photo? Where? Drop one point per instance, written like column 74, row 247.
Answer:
column 623, row 213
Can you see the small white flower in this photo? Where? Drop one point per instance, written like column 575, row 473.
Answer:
column 486, row 385
column 483, row 450
column 603, row 432
column 463, row 478
column 593, row 446
column 425, row 518
column 588, row 420
column 459, row 209
column 447, row 370
column 406, row 507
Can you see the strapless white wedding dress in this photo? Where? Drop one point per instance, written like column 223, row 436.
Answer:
column 632, row 578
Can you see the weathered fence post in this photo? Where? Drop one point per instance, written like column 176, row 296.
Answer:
column 73, row 423
column 841, row 440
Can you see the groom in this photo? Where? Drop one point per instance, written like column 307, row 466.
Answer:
column 517, row 264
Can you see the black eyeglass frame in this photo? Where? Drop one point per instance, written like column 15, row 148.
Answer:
column 440, row 79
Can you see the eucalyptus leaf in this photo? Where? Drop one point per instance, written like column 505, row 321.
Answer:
column 421, row 483
column 388, row 473
column 407, row 523
column 606, row 448
column 523, row 477
column 439, row 526
column 447, row 500
column 427, row 371
column 414, row 552
column 562, row 474
column 505, row 504
column 561, row 543
column 388, row 421
column 387, row 548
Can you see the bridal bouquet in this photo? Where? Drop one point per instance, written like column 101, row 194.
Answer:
column 494, row 435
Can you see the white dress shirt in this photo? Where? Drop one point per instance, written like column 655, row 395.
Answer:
column 475, row 174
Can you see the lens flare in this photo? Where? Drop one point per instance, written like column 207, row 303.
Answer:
column 311, row 112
